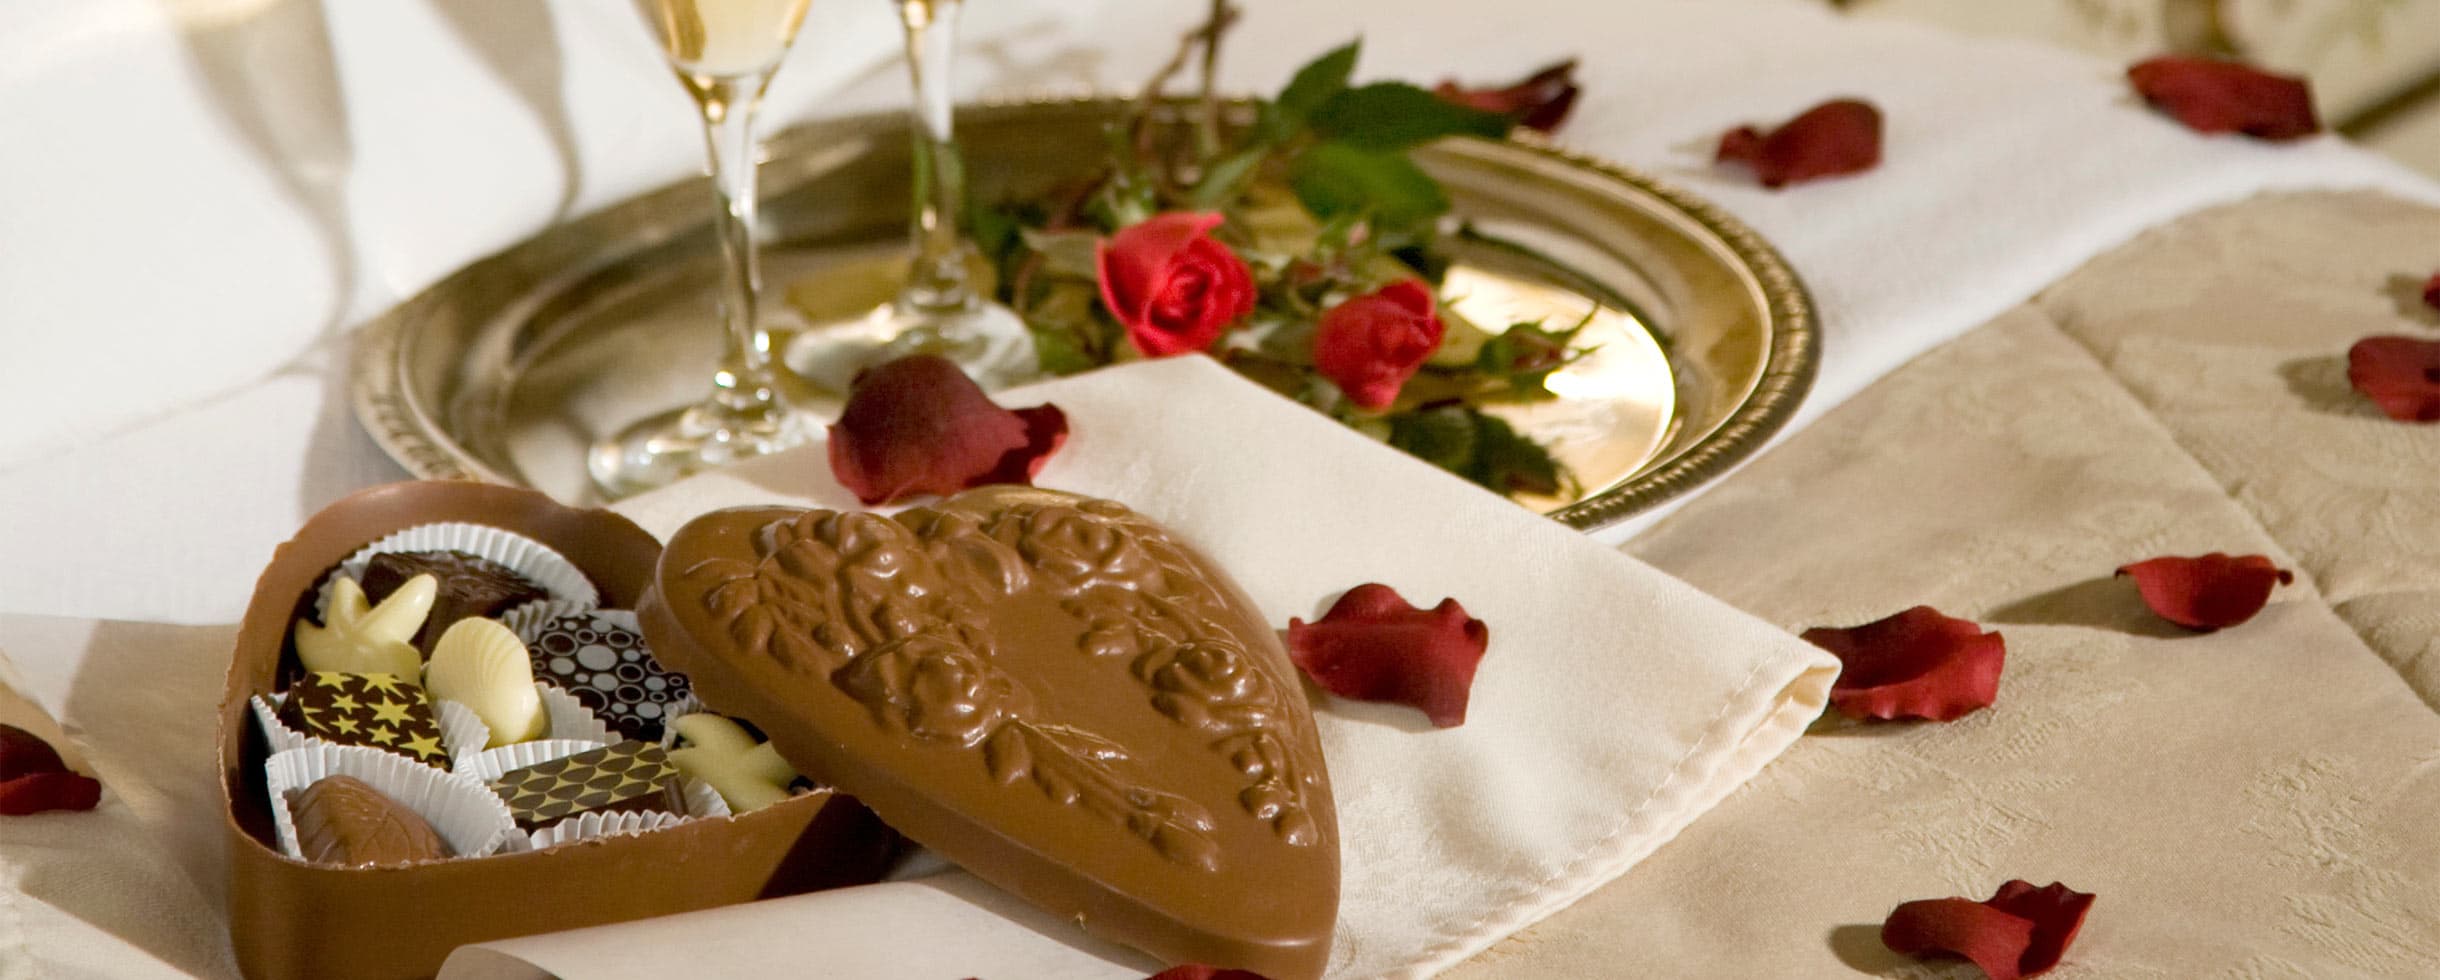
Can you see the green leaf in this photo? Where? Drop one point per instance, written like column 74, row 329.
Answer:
column 1526, row 355
column 1335, row 179
column 1443, row 437
column 1316, row 83
column 1066, row 253
column 1059, row 351
column 1508, row 462
column 1395, row 116
column 1226, row 178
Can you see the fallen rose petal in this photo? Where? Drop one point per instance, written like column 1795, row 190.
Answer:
column 1992, row 939
column 2021, row 931
column 2207, row 592
column 43, row 791
column 2399, row 374
column 2056, row 911
column 2212, row 96
column 1373, row 646
column 1540, row 102
column 1197, row 971
column 1842, row 136
column 2431, row 291
column 23, row 752
column 918, row 425
column 1916, row 664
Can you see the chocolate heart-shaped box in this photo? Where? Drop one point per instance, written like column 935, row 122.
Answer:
column 289, row 918
column 1047, row 689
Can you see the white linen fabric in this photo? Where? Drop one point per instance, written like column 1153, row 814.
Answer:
column 458, row 126
column 1614, row 706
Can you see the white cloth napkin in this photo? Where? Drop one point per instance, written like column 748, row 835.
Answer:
column 1616, row 704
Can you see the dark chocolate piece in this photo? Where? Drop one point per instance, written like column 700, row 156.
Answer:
column 599, row 657
column 628, row 776
column 1049, row 690
column 378, row 710
column 343, row 820
column 470, row 586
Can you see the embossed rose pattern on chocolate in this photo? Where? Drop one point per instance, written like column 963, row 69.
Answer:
column 1017, row 670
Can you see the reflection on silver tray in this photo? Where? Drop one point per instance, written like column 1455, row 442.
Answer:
column 508, row 369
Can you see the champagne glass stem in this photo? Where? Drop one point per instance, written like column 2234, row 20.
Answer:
column 938, row 281
column 743, row 385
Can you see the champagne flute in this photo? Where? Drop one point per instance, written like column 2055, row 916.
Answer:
column 724, row 52
column 939, row 310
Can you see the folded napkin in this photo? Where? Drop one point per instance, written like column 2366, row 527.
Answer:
column 1615, row 706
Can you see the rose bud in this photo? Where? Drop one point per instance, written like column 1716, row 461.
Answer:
column 1174, row 287
column 1371, row 344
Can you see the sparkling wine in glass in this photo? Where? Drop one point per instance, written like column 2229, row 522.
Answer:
column 724, row 52
column 941, row 309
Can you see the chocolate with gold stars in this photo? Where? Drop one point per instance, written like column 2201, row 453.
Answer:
column 470, row 586
column 382, row 711
column 630, row 775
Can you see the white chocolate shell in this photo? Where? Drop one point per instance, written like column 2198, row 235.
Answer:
column 358, row 637
column 481, row 664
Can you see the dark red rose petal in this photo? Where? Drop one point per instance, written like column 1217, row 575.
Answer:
column 43, row 791
column 1916, row 664
column 1842, row 136
column 1046, row 429
column 2022, row 931
column 2208, row 592
column 1373, row 646
column 1540, row 102
column 2056, row 911
column 918, row 425
column 1197, row 971
column 2212, row 96
column 2399, row 374
column 2431, row 291
column 23, row 752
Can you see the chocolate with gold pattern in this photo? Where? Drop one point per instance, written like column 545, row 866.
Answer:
column 344, row 820
column 470, row 586
column 630, row 775
column 382, row 711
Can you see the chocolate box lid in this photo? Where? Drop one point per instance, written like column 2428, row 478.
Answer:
column 1047, row 689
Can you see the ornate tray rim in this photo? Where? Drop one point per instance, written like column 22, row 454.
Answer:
column 409, row 434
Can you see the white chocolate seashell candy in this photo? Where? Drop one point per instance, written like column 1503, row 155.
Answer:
column 362, row 638
column 748, row 775
column 481, row 664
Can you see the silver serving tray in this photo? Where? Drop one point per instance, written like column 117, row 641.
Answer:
column 509, row 368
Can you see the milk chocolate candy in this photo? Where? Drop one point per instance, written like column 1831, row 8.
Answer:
column 630, row 775
column 343, row 820
column 1047, row 689
column 470, row 586
column 383, row 711
column 600, row 658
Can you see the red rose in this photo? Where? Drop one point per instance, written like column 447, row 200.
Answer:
column 1371, row 344
column 1174, row 288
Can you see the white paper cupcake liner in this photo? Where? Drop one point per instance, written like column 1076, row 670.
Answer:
column 518, row 553
column 461, row 732
column 702, row 800
column 571, row 721
column 466, row 814
column 591, row 825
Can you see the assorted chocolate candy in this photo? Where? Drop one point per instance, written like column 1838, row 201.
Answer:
column 599, row 656
column 382, row 711
column 423, row 630
column 467, row 586
column 625, row 777
column 344, row 820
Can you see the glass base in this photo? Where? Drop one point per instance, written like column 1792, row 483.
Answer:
column 987, row 340
column 662, row 449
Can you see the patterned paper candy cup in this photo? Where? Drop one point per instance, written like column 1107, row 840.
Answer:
column 591, row 825
column 465, row 813
column 525, row 556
